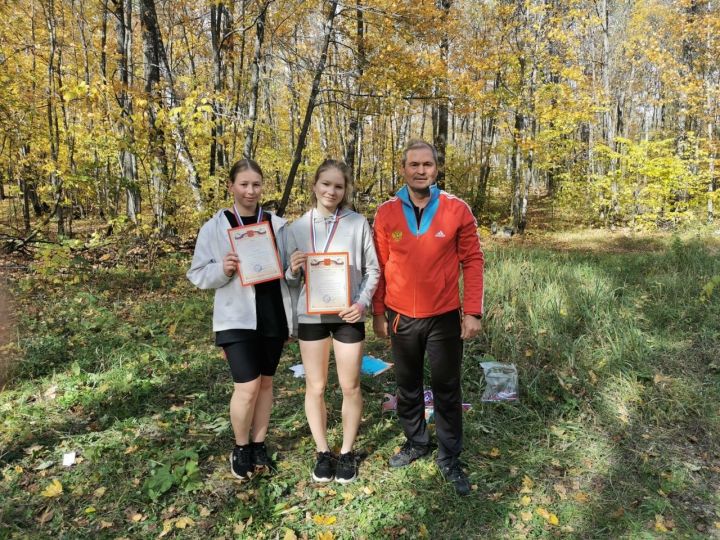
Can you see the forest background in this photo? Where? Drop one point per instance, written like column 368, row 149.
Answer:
column 133, row 111
column 586, row 129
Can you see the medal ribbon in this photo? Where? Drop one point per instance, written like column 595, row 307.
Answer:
column 240, row 221
column 335, row 220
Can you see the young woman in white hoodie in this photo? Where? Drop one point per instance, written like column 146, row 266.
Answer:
column 330, row 226
column 251, row 322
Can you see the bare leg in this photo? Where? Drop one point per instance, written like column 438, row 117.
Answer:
column 242, row 408
column 348, row 357
column 263, row 406
column 315, row 357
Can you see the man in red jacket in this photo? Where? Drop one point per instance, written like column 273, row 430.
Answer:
column 423, row 237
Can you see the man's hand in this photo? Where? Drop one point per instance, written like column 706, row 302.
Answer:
column 352, row 314
column 380, row 326
column 297, row 261
column 230, row 264
column 470, row 327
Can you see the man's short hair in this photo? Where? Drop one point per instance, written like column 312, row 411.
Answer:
column 416, row 144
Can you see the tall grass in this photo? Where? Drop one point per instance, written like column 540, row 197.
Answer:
column 615, row 434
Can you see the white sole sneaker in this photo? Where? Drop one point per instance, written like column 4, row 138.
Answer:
column 236, row 475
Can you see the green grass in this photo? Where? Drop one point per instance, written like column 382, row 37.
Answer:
column 615, row 435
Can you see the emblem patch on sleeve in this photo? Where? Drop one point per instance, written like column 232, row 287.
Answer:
column 397, row 236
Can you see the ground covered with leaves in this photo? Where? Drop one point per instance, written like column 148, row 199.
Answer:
column 616, row 434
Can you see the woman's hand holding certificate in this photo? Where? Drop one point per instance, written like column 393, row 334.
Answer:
column 255, row 247
column 327, row 282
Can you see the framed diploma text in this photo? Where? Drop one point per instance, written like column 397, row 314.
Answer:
column 327, row 282
column 259, row 258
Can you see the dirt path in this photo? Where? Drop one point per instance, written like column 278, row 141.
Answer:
column 7, row 330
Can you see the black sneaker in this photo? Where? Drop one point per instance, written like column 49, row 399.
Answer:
column 241, row 464
column 453, row 473
column 346, row 468
column 408, row 453
column 324, row 467
column 260, row 457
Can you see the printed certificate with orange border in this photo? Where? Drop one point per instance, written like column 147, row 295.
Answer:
column 327, row 282
column 259, row 258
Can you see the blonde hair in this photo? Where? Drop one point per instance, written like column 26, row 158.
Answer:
column 347, row 175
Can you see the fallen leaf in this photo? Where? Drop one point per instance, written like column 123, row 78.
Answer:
column 290, row 535
column 137, row 517
column 527, row 484
column 327, row 535
column 493, row 453
column 551, row 518
column 167, row 527
column 131, row 449
column 660, row 523
column 525, row 500
column 106, row 524
column 53, row 490
column 90, row 510
column 204, row 512
column 46, row 516
column 560, row 490
column 423, row 532
column 526, row 516
column 367, row 490
column 99, row 492
column 659, row 379
column 581, row 497
column 30, row 450
column 320, row 519
column 348, row 496
column 184, row 522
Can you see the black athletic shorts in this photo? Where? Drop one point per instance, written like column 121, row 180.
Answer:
column 250, row 358
column 343, row 332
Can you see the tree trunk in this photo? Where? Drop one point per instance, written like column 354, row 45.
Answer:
column 128, row 160
column 255, row 80
column 297, row 155
column 53, row 127
column 159, row 178
column 441, row 88
column 219, row 31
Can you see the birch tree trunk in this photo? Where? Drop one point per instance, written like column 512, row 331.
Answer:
column 127, row 158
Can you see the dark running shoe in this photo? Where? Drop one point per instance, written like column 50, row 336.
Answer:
column 453, row 473
column 408, row 453
column 324, row 467
column 241, row 464
column 346, row 468
column 260, row 457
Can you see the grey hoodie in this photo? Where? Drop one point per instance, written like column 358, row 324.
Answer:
column 234, row 306
column 353, row 235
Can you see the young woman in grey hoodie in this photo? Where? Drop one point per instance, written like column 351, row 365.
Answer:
column 251, row 322
column 330, row 226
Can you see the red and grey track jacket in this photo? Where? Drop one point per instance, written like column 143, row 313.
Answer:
column 421, row 265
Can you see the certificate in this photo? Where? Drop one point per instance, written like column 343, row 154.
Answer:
column 327, row 282
column 255, row 247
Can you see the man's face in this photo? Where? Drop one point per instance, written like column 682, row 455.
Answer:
column 420, row 169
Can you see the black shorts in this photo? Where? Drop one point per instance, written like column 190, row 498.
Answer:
column 250, row 358
column 342, row 332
